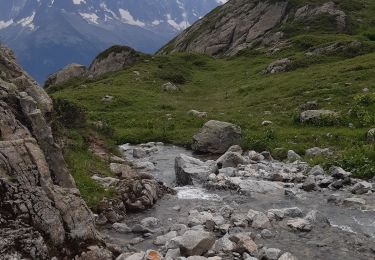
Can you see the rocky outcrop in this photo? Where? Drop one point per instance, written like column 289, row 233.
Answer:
column 113, row 59
column 216, row 137
column 240, row 24
column 69, row 72
column 41, row 212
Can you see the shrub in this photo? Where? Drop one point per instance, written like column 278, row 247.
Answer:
column 68, row 114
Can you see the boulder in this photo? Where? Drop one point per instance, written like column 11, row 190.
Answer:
column 216, row 137
column 293, row 156
column 278, row 66
column 230, row 159
column 194, row 242
column 339, row 173
column 69, row 72
column 258, row 219
column 317, row 170
column 317, row 116
column 244, row 243
column 361, row 187
column 113, row 59
column 299, row 224
column 310, row 183
column 189, row 169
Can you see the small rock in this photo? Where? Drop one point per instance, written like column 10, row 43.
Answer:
column 194, row 242
column 317, row 170
column 153, row 255
column 136, row 240
column 258, row 219
column 266, row 234
column 172, row 254
column 150, row 222
column 107, row 98
column 270, row 253
column 309, row 184
column 121, row 228
column 316, row 151
column 293, row 156
column 169, row 87
column 354, row 202
column 197, row 113
column 287, row 256
column 299, row 224
column 244, row 243
column 266, row 123
column 371, row 135
column 338, row 172
column 361, row 187
column 161, row 240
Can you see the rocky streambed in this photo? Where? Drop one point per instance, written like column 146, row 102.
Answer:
column 245, row 205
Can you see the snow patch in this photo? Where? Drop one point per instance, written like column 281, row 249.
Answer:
column 90, row 18
column 129, row 19
column 78, row 2
column 5, row 24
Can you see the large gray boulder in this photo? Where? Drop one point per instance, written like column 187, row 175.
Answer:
column 216, row 137
column 67, row 73
column 317, row 116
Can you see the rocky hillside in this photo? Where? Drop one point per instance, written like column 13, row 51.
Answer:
column 42, row 214
column 240, row 24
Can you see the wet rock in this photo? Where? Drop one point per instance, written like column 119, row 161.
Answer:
column 316, row 218
column 161, row 240
column 95, row 252
column 317, row 151
column 172, row 254
column 339, row 173
column 361, row 187
column 230, row 159
column 269, row 253
column 226, row 211
column 299, row 224
column 224, row 244
column 136, row 241
column 239, row 219
column 150, row 222
column 354, row 202
column 188, row 169
column 317, row 170
column 248, row 185
column 199, row 218
column 137, row 228
column 316, row 116
column 309, row 184
column 194, row 242
column 258, row 219
column 266, row 234
column 337, row 184
column 127, row 256
column 244, row 243
column 179, row 228
column 216, row 137
column 293, row 156
column 121, row 228
column 287, row 256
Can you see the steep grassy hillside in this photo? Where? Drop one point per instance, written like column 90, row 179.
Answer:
column 236, row 90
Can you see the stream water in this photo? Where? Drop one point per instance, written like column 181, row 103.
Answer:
column 346, row 223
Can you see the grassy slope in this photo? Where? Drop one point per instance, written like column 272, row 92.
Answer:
column 235, row 90
column 232, row 90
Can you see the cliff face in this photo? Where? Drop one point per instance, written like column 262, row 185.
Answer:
column 41, row 212
column 240, row 24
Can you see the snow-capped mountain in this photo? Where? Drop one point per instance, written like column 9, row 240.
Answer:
column 48, row 34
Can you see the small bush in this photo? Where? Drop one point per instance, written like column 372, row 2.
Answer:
column 68, row 114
